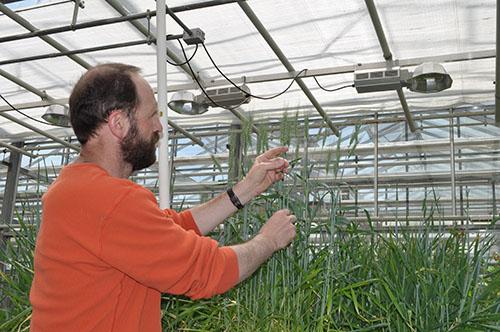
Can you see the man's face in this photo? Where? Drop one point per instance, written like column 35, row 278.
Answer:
column 139, row 145
column 139, row 151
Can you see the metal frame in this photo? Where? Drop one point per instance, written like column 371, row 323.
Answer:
column 388, row 57
column 9, row 196
column 284, row 60
column 369, row 157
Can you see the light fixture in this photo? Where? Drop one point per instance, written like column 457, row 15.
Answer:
column 57, row 115
column 427, row 78
column 184, row 102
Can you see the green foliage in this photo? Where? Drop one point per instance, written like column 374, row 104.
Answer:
column 336, row 276
column 16, row 262
column 342, row 276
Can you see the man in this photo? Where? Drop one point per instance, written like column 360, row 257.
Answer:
column 105, row 250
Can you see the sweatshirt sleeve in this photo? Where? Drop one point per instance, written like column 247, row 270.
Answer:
column 138, row 240
column 183, row 219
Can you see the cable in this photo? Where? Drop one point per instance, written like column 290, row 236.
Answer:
column 332, row 90
column 246, row 92
column 201, row 87
column 182, row 64
column 29, row 117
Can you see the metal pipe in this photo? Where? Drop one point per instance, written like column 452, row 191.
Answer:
column 106, row 21
column 29, row 87
column 161, row 63
column 79, row 26
column 375, row 166
column 120, row 9
column 17, row 149
column 452, row 166
column 75, row 12
column 494, row 199
column 72, row 52
column 372, row 10
column 284, row 60
column 17, row 18
column 204, row 4
column 186, row 133
column 410, row 62
column 179, row 21
column 497, row 70
column 41, row 132
column 406, row 109
column 11, row 182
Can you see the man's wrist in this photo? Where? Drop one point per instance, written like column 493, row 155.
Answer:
column 267, row 242
column 243, row 191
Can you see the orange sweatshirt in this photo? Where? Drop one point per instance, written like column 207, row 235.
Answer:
column 105, row 252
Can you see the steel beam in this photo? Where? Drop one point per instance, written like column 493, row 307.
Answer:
column 406, row 110
column 73, row 52
column 409, row 62
column 14, row 148
column 497, row 70
column 186, row 133
column 452, row 168
column 284, row 60
column 388, row 57
column 117, row 5
column 27, row 86
column 375, row 166
column 164, row 166
column 40, row 131
column 9, row 197
column 30, row 174
column 19, row 19
column 372, row 10
column 79, row 26
column 142, row 29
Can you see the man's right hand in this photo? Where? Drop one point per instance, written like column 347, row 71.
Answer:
column 279, row 230
column 276, row 234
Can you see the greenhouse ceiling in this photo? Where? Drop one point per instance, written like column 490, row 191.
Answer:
column 264, row 44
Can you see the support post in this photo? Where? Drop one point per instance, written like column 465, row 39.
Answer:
column 494, row 197
column 452, row 167
column 9, row 198
column 161, row 61
column 497, row 69
column 375, row 165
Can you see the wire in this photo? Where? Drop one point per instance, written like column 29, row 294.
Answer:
column 187, row 61
column 246, row 92
column 29, row 117
column 332, row 90
column 201, row 87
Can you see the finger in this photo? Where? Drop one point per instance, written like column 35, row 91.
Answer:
column 274, row 152
column 285, row 211
column 275, row 164
column 293, row 218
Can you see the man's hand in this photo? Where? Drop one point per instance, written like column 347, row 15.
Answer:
column 276, row 234
column 268, row 168
column 279, row 230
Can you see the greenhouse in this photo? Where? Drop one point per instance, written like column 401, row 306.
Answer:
column 391, row 115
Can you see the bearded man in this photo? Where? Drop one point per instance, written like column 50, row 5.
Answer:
column 106, row 251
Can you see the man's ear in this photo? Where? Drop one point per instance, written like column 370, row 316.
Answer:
column 118, row 124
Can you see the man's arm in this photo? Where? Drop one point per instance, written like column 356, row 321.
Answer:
column 276, row 234
column 267, row 169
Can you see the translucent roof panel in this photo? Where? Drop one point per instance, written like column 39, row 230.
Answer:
column 330, row 39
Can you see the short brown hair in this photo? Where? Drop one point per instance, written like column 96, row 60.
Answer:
column 97, row 93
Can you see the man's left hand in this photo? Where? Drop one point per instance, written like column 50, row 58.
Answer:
column 268, row 168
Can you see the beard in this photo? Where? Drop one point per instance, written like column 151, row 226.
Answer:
column 137, row 151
